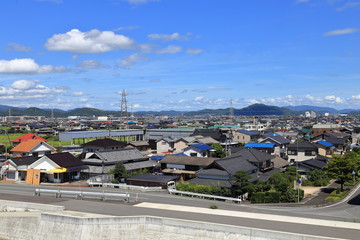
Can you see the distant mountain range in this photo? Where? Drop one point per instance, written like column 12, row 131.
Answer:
column 252, row 110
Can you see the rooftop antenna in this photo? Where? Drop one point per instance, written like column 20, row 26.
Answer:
column 123, row 107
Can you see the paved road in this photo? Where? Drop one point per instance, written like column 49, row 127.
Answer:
column 348, row 211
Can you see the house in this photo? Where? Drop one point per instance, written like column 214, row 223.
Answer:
column 105, row 144
column 33, row 147
column 264, row 147
column 214, row 133
column 198, row 150
column 325, row 148
column 308, row 165
column 184, row 166
column 26, row 137
column 166, row 145
column 245, row 136
column 57, row 168
column 280, row 142
column 223, row 171
column 301, row 151
column 102, row 162
column 139, row 145
column 15, row 169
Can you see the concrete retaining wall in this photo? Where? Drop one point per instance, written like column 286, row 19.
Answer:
column 72, row 225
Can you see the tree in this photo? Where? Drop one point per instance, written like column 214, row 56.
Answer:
column 341, row 167
column 219, row 151
column 119, row 171
column 242, row 184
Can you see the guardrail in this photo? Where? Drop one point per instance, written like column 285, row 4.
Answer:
column 199, row 195
column 125, row 186
column 81, row 194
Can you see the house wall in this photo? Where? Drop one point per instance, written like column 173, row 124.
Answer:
column 180, row 146
column 44, row 164
column 241, row 137
column 300, row 156
column 162, row 146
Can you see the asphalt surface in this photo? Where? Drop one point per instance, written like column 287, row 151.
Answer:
column 348, row 211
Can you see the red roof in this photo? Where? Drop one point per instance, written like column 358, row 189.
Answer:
column 29, row 136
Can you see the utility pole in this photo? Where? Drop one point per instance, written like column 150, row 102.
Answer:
column 231, row 109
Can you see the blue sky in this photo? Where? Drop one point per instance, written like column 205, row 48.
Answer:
column 179, row 54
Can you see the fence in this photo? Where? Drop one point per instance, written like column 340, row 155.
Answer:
column 125, row 186
column 81, row 194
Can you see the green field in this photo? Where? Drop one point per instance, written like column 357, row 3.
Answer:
column 4, row 139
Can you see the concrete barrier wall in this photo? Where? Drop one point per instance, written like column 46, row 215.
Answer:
column 9, row 206
column 64, row 226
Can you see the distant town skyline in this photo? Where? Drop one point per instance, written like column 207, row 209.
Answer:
column 179, row 54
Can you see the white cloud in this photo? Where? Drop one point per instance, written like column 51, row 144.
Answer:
column 333, row 99
column 348, row 5
column 131, row 60
column 27, row 66
column 341, row 31
column 17, row 47
column 198, row 98
column 77, row 93
column 94, row 41
column 135, row 105
column 90, row 64
column 168, row 37
column 23, row 84
column 29, row 89
column 194, row 51
column 171, row 49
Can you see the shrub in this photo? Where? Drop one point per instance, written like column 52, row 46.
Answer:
column 258, row 197
column 213, row 207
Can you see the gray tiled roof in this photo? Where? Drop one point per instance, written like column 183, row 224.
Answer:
column 232, row 165
column 195, row 161
column 140, row 164
column 253, row 155
column 122, row 155
column 213, row 172
column 277, row 139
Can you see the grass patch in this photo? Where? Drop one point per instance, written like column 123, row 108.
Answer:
column 336, row 195
column 213, row 207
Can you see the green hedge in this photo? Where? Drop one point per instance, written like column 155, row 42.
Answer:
column 204, row 189
column 266, row 197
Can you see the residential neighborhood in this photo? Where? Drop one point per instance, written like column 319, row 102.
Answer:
column 210, row 154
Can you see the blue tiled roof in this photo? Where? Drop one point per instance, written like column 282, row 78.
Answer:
column 157, row 157
column 260, row 145
column 247, row 132
column 325, row 143
column 202, row 146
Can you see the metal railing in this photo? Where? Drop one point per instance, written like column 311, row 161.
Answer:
column 81, row 194
column 203, row 196
column 125, row 186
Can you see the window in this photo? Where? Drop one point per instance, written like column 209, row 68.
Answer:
column 309, row 153
column 292, row 152
column 193, row 154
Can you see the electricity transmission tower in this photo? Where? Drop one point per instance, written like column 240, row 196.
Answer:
column 123, row 107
